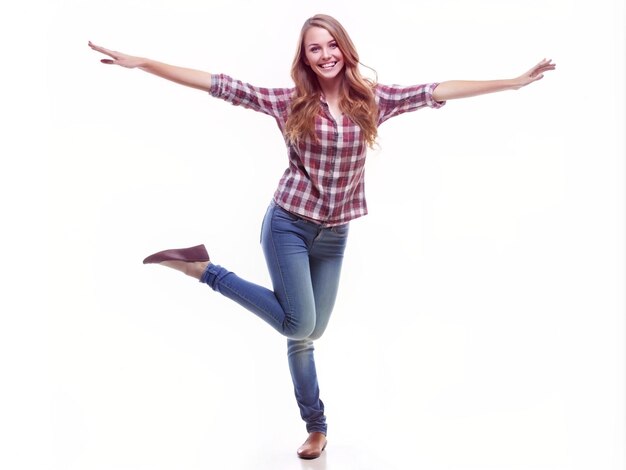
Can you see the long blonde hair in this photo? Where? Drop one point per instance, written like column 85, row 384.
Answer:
column 356, row 94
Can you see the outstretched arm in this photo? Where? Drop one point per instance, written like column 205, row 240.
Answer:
column 464, row 89
column 188, row 77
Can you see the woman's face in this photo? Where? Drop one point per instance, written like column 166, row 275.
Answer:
column 322, row 54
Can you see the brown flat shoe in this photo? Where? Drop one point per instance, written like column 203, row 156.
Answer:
column 192, row 254
column 313, row 446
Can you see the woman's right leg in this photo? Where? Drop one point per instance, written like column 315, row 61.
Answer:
column 290, row 308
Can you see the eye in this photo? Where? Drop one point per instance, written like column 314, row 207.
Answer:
column 314, row 49
column 333, row 45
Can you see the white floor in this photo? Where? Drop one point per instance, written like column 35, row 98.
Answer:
column 338, row 456
column 167, row 376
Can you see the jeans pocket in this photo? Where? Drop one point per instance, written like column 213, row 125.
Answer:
column 341, row 230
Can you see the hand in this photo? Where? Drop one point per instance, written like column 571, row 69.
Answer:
column 534, row 74
column 118, row 58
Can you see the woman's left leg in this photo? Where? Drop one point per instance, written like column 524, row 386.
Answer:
column 325, row 260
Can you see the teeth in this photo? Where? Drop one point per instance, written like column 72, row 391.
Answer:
column 330, row 65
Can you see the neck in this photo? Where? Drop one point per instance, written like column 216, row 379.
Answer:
column 331, row 88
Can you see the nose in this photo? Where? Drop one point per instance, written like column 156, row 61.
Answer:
column 325, row 53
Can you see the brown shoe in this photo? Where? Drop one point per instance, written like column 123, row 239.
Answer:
column 195, row 253
column 313, row 446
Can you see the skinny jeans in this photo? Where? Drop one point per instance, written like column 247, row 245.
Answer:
column 304, row 261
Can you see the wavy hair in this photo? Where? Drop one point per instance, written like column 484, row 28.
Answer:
column 356, row 93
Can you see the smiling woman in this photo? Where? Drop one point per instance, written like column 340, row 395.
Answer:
column 326, row 65
column 328, row 119
column 323, row 54
column 326, row 60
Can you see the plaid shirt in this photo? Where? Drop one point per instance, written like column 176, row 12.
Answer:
column 324, row 181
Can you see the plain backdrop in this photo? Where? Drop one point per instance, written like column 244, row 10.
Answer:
column 480, row 319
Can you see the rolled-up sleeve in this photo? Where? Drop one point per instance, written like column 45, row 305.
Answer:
column 394, row 100
column 271, row 101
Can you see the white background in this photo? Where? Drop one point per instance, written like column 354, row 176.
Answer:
column 480, row 321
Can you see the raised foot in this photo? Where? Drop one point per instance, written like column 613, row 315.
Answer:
column 191, row 261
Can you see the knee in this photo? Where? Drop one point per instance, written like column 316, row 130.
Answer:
column 301, row 330
column 300, row 333
column 307, row 330
column 299, row 324
column 316, row 334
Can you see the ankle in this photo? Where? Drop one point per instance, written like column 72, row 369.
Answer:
column 196, row 269
column 193, row 269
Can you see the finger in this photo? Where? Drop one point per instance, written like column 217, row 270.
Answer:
column 102, row 50
column 546, row 68
column 541, row 68
column 108, row 61
column 95, row 47
column 541, row 64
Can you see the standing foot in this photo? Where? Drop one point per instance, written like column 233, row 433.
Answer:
column 313, row 446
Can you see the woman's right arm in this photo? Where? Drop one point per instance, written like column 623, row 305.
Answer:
column 188, row 77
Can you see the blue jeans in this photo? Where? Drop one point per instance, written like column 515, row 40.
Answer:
column 304, row 261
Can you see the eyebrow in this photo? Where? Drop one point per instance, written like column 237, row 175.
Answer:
column 317, row 44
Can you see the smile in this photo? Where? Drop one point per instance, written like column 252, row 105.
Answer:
column 328, row 65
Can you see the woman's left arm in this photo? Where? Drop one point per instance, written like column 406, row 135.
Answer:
column 464, row 89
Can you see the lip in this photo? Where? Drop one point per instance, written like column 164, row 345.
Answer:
column 332, row 66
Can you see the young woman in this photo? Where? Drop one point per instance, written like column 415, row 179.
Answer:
column 328, row 120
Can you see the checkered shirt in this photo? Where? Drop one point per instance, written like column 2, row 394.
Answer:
column 324, row 181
